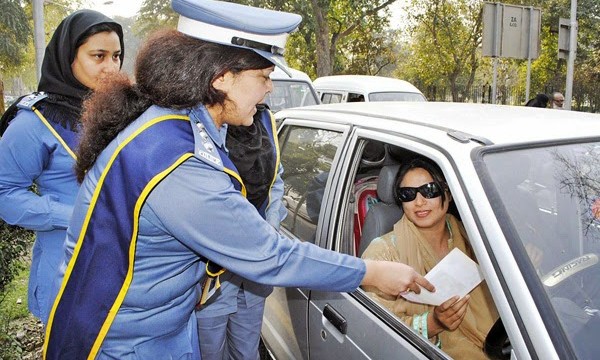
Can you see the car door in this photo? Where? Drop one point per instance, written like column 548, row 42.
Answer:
column 352, row 325
column 308, row 153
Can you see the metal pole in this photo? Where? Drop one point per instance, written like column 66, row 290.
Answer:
column 528, row 83
column 572, row 54
column 39, row 39
column 529, row 45
column 494, row 80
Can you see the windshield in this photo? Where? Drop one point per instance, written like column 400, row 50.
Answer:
column 396, row 96
column 552, row 198
column 290, row 93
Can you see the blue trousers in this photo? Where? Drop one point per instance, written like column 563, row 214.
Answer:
column 232, row 336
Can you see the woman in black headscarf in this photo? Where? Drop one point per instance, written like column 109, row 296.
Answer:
column 540, row 100
column 38, row 146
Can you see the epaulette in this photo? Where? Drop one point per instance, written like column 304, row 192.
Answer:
column 28, row 101
column 204, row 148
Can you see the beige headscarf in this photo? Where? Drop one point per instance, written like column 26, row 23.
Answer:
column 406, row 244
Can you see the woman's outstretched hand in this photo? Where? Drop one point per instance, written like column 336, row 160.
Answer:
column 394, row 278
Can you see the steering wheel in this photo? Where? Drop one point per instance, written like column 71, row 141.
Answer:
column 561, row 281
column 497, row 344
column 570, row 268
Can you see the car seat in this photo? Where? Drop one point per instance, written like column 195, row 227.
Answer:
column 381, row 216
column 365, row 185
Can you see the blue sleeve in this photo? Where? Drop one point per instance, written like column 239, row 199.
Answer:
column 24, row 155
column 199, row 206
column 276, row 212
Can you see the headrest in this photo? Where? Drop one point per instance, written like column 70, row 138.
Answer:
column 373, row 154
column 386, row 183
column 261, row 30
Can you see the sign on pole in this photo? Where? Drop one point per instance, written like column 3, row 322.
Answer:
column 511, row 31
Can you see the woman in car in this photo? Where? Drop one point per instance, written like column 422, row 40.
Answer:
column 423, row 236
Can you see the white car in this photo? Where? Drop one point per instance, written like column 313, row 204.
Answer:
column 519, row 177
column 290, row 92
column 365, row 88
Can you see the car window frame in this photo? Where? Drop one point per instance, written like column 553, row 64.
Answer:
column 542, row 301
column 344, row 130
column 339, row 222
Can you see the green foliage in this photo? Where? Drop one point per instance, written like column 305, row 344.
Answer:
column 154, row 15
column 445, row 39
column 14, row 244
column 15, row 33
column 337, row 36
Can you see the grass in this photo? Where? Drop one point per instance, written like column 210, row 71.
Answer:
column 13, row 314
column 16, row 292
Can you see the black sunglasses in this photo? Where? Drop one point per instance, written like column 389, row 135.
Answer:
column 429, row 191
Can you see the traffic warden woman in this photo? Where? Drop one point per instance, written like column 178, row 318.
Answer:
column 160, row 197
column 38, row 146
column 229, row 323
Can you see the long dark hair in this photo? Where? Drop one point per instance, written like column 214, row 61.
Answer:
column 172, row 70
column 432, row 168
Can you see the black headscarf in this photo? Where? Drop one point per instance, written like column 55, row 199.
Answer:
column 57, row 76
column 251, row 151
column 65, row 92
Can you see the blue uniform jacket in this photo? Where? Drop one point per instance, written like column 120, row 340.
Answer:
column 225, row 301
column 31, row 153
column 196, row 211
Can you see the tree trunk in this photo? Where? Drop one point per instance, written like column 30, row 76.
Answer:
column 324, row 63
column 2, row 96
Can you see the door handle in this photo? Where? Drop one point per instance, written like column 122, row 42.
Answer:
column 336, row 319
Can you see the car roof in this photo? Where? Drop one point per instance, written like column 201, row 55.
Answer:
column 278, row 74
column 497, row 124
column 363, row 83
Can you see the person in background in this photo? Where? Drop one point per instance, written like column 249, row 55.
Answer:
column 42, row 132
column 229, row 324
column 558, row 100
column 160, row 198
column 540, row 100
column 425, row 234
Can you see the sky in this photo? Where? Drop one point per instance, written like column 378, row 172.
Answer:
column 124, row 8
column 129, row 8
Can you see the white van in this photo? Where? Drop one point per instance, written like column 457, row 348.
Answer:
column 365, row 88
column 291, row 92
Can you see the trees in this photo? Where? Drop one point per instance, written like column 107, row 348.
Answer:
column 445, row 36
column 332, row 31
column 16, row 29
column 153, row 15
column 15, row 33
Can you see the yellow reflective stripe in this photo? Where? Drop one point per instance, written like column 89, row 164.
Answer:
column 87, row 220
column 60, row 139
column 237, row 176
column 277, row 159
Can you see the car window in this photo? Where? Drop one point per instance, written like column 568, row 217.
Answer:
column 551, row 197
column 354, row 97
column 306, row 156
column 373, row 213
column 290, row 93
column 396, row 96
column 330, row 98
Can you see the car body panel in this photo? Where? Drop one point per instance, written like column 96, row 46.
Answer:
column 459, row 138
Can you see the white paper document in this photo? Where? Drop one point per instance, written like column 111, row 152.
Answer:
column 455, row 274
